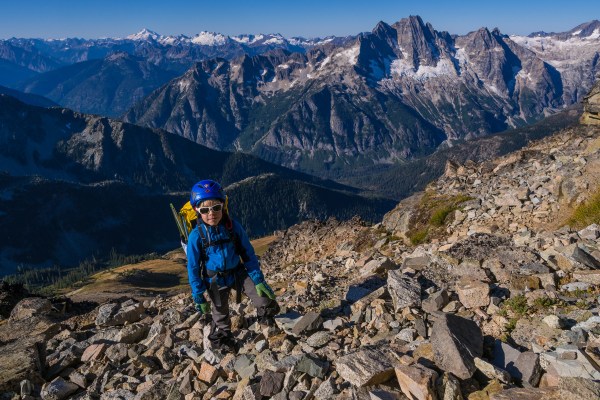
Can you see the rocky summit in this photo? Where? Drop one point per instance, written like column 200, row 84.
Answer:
column 484, row 286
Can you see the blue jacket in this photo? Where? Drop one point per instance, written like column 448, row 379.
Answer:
column 221, row 257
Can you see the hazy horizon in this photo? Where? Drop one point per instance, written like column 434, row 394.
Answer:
column 89, row 20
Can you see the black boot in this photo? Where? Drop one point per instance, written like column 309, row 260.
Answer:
column 266, row 315
column 222, row 340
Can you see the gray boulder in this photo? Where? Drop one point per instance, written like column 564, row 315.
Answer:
column 112, row 314
column 366, row 367
column 405, row 291
column 456, row 342
column 58, row 389
column 20, row 360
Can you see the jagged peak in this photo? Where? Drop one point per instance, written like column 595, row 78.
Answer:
column 587, row 29
column 496, row 32
column 415, row 19
column 144, row 34
column 383, row 30
column 261, row 38
column 484, row 37
column 381, row 26
column 415, row 27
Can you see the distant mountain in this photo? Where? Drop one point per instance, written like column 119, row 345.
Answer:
column 385, row 97
column 75, row 185
column 108, row 86
column 29, row 54
column 12, row 74
column 574, row 54
column 587, row 30
column 174, row 53
column 28, row 98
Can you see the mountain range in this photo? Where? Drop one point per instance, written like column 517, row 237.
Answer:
column 169, row 52
column 108, row 76
column 385, row 97
column 74, row 186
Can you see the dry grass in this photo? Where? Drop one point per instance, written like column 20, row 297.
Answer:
column 586, row 213
column 142, row 280
column 262, row 244
column 432, row 215
column 145, row 279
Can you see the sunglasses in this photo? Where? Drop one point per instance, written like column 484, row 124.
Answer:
column 216, row 208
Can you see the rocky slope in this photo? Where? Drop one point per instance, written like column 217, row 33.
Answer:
column 499, row 301
column 389, row 95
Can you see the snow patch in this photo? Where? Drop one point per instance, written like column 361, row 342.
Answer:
column 184, row 84
column 350, row 55
column 461, row 57
column 251, row 39
column 209, row 39
column 493, row 89
column 576, row 33
column 241, row 39
column 326, row 61
column 401, row 68
column 169, row 40
column 275, row 40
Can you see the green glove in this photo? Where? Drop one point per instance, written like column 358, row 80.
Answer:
column 203, row 308
column 265, row 290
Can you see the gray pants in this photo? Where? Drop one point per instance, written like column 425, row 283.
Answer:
column 265, row 307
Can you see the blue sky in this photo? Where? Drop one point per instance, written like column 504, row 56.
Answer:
column 308, row 18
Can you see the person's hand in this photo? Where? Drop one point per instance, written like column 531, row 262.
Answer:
column 202, row 308
column 265, row 290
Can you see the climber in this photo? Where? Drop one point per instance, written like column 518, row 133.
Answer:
column 221, row 258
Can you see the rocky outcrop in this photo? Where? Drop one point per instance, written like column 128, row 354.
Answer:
column 517, row 194
column 10, row 295
column 591, row 107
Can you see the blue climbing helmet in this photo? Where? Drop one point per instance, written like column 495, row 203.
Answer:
column 206, row 190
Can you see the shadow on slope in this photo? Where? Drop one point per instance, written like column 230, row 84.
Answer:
column 402, row 180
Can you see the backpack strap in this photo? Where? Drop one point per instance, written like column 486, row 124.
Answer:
column 204, row 245
column 237, row 242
